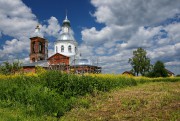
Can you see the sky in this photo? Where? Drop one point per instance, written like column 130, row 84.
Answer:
column 107, row 31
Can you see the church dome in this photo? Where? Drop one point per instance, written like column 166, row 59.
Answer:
column 66, row 21
column 66, row 43
column 66, row 33
column 66, row 36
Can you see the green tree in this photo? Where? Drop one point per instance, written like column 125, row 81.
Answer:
column 140, row 62
column 10, row 68
column 159, row 70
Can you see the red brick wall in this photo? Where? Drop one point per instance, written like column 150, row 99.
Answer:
column 34, row 49
column 58, row 59
column 29, row 69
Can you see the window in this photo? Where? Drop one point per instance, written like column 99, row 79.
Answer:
column 40, row 47
column 33, row 59
column 69, row 48
column 33, row 47
column 62, row 48
column 75, row 50
column 56, row 49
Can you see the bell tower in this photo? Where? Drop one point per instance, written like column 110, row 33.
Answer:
column 38, row 47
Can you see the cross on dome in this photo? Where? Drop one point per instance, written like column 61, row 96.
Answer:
column 37, row 29
column 66, row 21
column 37, row 32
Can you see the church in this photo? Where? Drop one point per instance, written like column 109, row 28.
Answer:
column 66, row 56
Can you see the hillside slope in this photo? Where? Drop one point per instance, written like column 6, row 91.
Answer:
column 150, row 101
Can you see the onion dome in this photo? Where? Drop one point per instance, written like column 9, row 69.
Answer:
column 66, row 33
column 66, row 36
column 66, row 22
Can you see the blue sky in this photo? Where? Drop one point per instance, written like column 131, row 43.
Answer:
column 78, row 13
column 106, row 30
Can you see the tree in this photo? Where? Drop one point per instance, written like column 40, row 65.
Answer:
column 140, row 62
column 159, row 70
column 10, row 68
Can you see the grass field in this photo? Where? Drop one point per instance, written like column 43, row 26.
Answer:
column 158, row 101
column 52, row 96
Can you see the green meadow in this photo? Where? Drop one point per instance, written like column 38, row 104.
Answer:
column 52, row 95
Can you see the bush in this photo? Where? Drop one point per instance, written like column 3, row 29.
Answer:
column 158, row 70
column 73, row 85
column 29, row 92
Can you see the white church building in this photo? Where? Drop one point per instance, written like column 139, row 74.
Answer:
column 66, row 56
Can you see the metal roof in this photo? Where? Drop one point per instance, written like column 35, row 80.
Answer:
column 81, row 62
column 43, row 63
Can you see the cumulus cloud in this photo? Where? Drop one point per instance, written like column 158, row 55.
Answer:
column 18, row 22
column 139, row 12
column 130, row 24
column 16, row 18
column 53, row 28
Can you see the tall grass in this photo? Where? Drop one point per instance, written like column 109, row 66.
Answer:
column 53, row 93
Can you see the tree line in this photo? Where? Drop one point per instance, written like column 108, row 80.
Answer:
column 10, row 68
column 141, row 65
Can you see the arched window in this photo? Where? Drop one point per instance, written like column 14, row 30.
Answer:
column 33, row 59
column 40, row 47
column 56, row 49
column 69, row 49
column 33, row 47
column 62, row 48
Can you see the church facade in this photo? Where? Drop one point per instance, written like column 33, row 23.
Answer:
column 65, row 56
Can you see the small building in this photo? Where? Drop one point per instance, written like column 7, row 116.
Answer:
column 55, row 62
column 127, row 73
column 170, row 74
column 31, row 67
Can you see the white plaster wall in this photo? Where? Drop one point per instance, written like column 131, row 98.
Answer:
column 66, row 52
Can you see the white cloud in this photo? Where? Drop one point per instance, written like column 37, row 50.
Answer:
column 139, row 12
column 53, row 27
column 143, row 37
column 130, row 24
column 173, row 32
column 100, row 50
column 173, row 63
column 16, row 18
column 18, row 21
column 85, row 50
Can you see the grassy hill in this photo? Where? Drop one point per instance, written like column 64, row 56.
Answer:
column 51, row 95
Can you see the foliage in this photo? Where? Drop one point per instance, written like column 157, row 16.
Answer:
column 178, row 75
column 140, row 62
column 40, row 70
column 73, row 85
column 10, row 68
column 158, row 70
